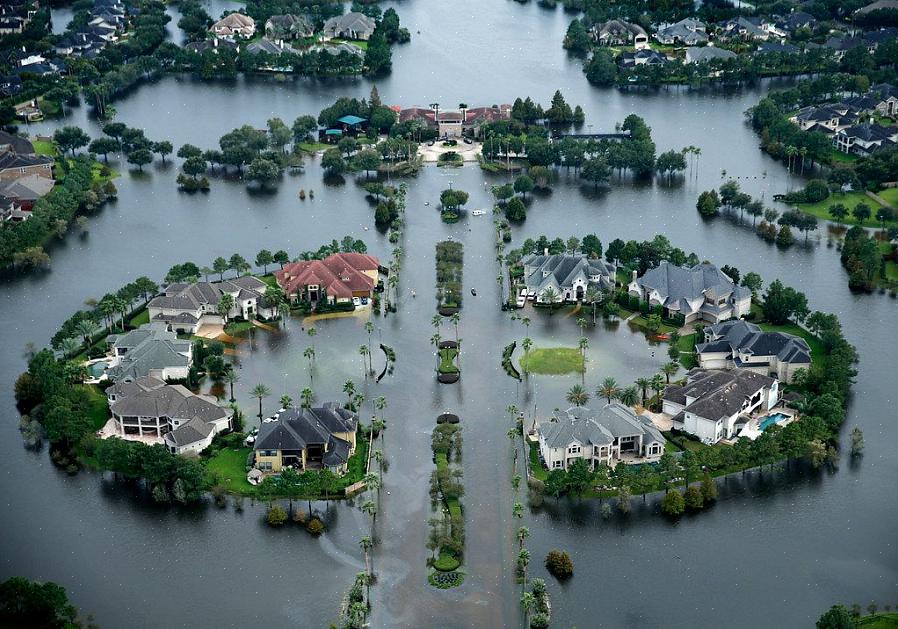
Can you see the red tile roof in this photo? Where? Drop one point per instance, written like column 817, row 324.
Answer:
column 340, row 274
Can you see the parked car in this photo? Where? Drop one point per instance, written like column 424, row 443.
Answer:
column 356, row 301
column 364, row 301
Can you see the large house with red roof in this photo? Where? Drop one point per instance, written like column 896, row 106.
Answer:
column 455, row 123
column 337, row 279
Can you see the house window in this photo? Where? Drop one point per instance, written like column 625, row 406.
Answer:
column 556, row 465
column 573, row 450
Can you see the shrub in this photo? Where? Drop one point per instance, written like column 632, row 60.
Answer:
column 446, row 562
column 693, row 498
column 276, row 516
column 315, row 526
column 709, row 489
column 673, row 504
column 539, row 620
column 559, row 564
column 445, row 580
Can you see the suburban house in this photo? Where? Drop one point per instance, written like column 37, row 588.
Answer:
column 886, row 97
column 620, row 33
column 267, row 46
column 15, row 166
column 455, row 123
column 786, row 26
column 707, row 53
column 10, row 210
column 26, row 190
column 865, row 138
column 148, row 409
column 606, row 436
column 213, row 44
column 568, row 276
column 150, row 350
column 234, row 25
column 687, row 32
column 743, row 28
column 288, row 27
column 338, row 278
column 716, row 404
column 184, row 308
column 644, row 57
column 352, row 25
column 307, row 439
column 12, row 143
column 700, row 293
column 738, row 344
column 825, row 118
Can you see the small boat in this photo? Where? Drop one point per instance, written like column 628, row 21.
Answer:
column 427, row 203
column 662, row 337
column 474, row 292
column 478, row 212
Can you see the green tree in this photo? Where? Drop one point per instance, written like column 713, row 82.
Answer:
column 608, row 389
column 263, row 171
column 103, row 146
column 861, row 212
column 70, row 138
column 708, row 203
column 140, row 158
column 837, row 617
column 523, row 184
column 263, row 259
column 332, row 162
column 260, row 391
column 673, row 504
column 163, row 148
column 25, row 603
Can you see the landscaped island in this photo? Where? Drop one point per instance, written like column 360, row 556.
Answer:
column 449, row 276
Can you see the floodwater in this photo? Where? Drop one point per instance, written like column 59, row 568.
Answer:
column 776, row 550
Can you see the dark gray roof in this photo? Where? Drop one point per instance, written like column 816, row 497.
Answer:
column 541, row 271
column 597, row 428
column 149, row 348
column 15, row 160
column 151, row 397
column 716, row 393
column 352, row 21
column 747, row 338
column 676, row 284
column 296, row 429
column 16, row 143
column 191, row 432
column 191, row 296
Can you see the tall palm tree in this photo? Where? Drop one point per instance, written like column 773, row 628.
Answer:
column 86, row 330
column 312, row 332
column 307, row 396
column 231, row 377
column 581, row 323
column 373, row 482
column 644, row 384
column 371, row 509
column 549, row 295
column 523, row 533
column 349, row 390
column 363, row 352
column 369, row 328
column 658, row 383
column 436, row 321
column 366, row 544
column 629, row 396
column 528, row 602
column 69, row 346
column 593, row 296
column 380, row 403
column 577, row 395
column 309, row 354
column 523, row 562
column 670, row 369
column 260, row 391
column 527, row 343
column 455, row 318
column 608, row 389
column 286, row 401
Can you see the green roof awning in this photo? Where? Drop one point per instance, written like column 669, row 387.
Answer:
column 351, row 120
column 333, row 132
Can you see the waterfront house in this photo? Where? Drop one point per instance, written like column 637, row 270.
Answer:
column 267, row 46
column 148, row 409
column 150, row 350
column 234, row 25
column 11, row 211
column 288, row 27
column 707, row 53
column 12, row 143
column 611, row 434
column 744, row 29
column 686, row 32
column 886, row 97
column 27, row 190
column 568, row 276
column 307, row 439
column 738, row 344
column 644, row 57
column 866, row 138
column 352, row 25
column 699, row 293
column 214, row 44
column 15, row 166
column 828, row 118
column 184, row 307
column 337, row 278
column 620, row 33
column 716, row 404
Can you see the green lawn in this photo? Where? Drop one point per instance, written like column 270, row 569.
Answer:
column 235, row 327
column 879, row 621
column 99, row 406
column 44, row 147
column 553, row 361
column 140, row 318
column 447, row 360
column 842, row 158
column 536, row 468
column 687, row 344
column 358, row 44
column 849, row 200
column 890, row 195
column 269, row 279
column 314, row 147
column 228, row 466
column 892, row 270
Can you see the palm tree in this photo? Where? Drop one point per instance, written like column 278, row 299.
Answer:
column 380, row 403
column 577, row 395
column 365, row 543
column 523, row 562
column 455, row 318
column 583, row 344
column 307, row 396
column 608, row 389
column 286, row 401
column 527, row 343
column 69, row 346
column 363, row 352
column 260, row 391
column 369, row 328
column 349, row 390
column 549, row 295
column 373, row 482
column 528, row 602
column 309, row 353
column 371, row 509
column 231, row 377
column 644, row 384
column 629, row 396
column 657, row 383
column 86, row 330
column 581, row 323
column 435, row 341
column 593, row 295
column 523, row 533
column 670, row 369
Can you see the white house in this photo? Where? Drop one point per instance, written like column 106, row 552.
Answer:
column 184, row 308
column 605, row 436
column 699, row 293
column 148, row 409
column 741, row 345
column 234, row 24
column 716, row 404
column 568, row 276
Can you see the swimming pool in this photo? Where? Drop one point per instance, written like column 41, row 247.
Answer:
column 96, row 370
column 770, row 420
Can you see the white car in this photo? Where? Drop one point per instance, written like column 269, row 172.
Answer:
column 356, row 301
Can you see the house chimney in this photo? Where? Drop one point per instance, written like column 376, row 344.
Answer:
column 633, row 275
column 546, row 251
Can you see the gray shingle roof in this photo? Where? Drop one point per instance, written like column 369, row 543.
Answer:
column 151, row 397
column 562, row 270
column 747, row 338
column 150, row 347
column 717, row 393
column 296, row 429
column 597, row 428
column 677, row 284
